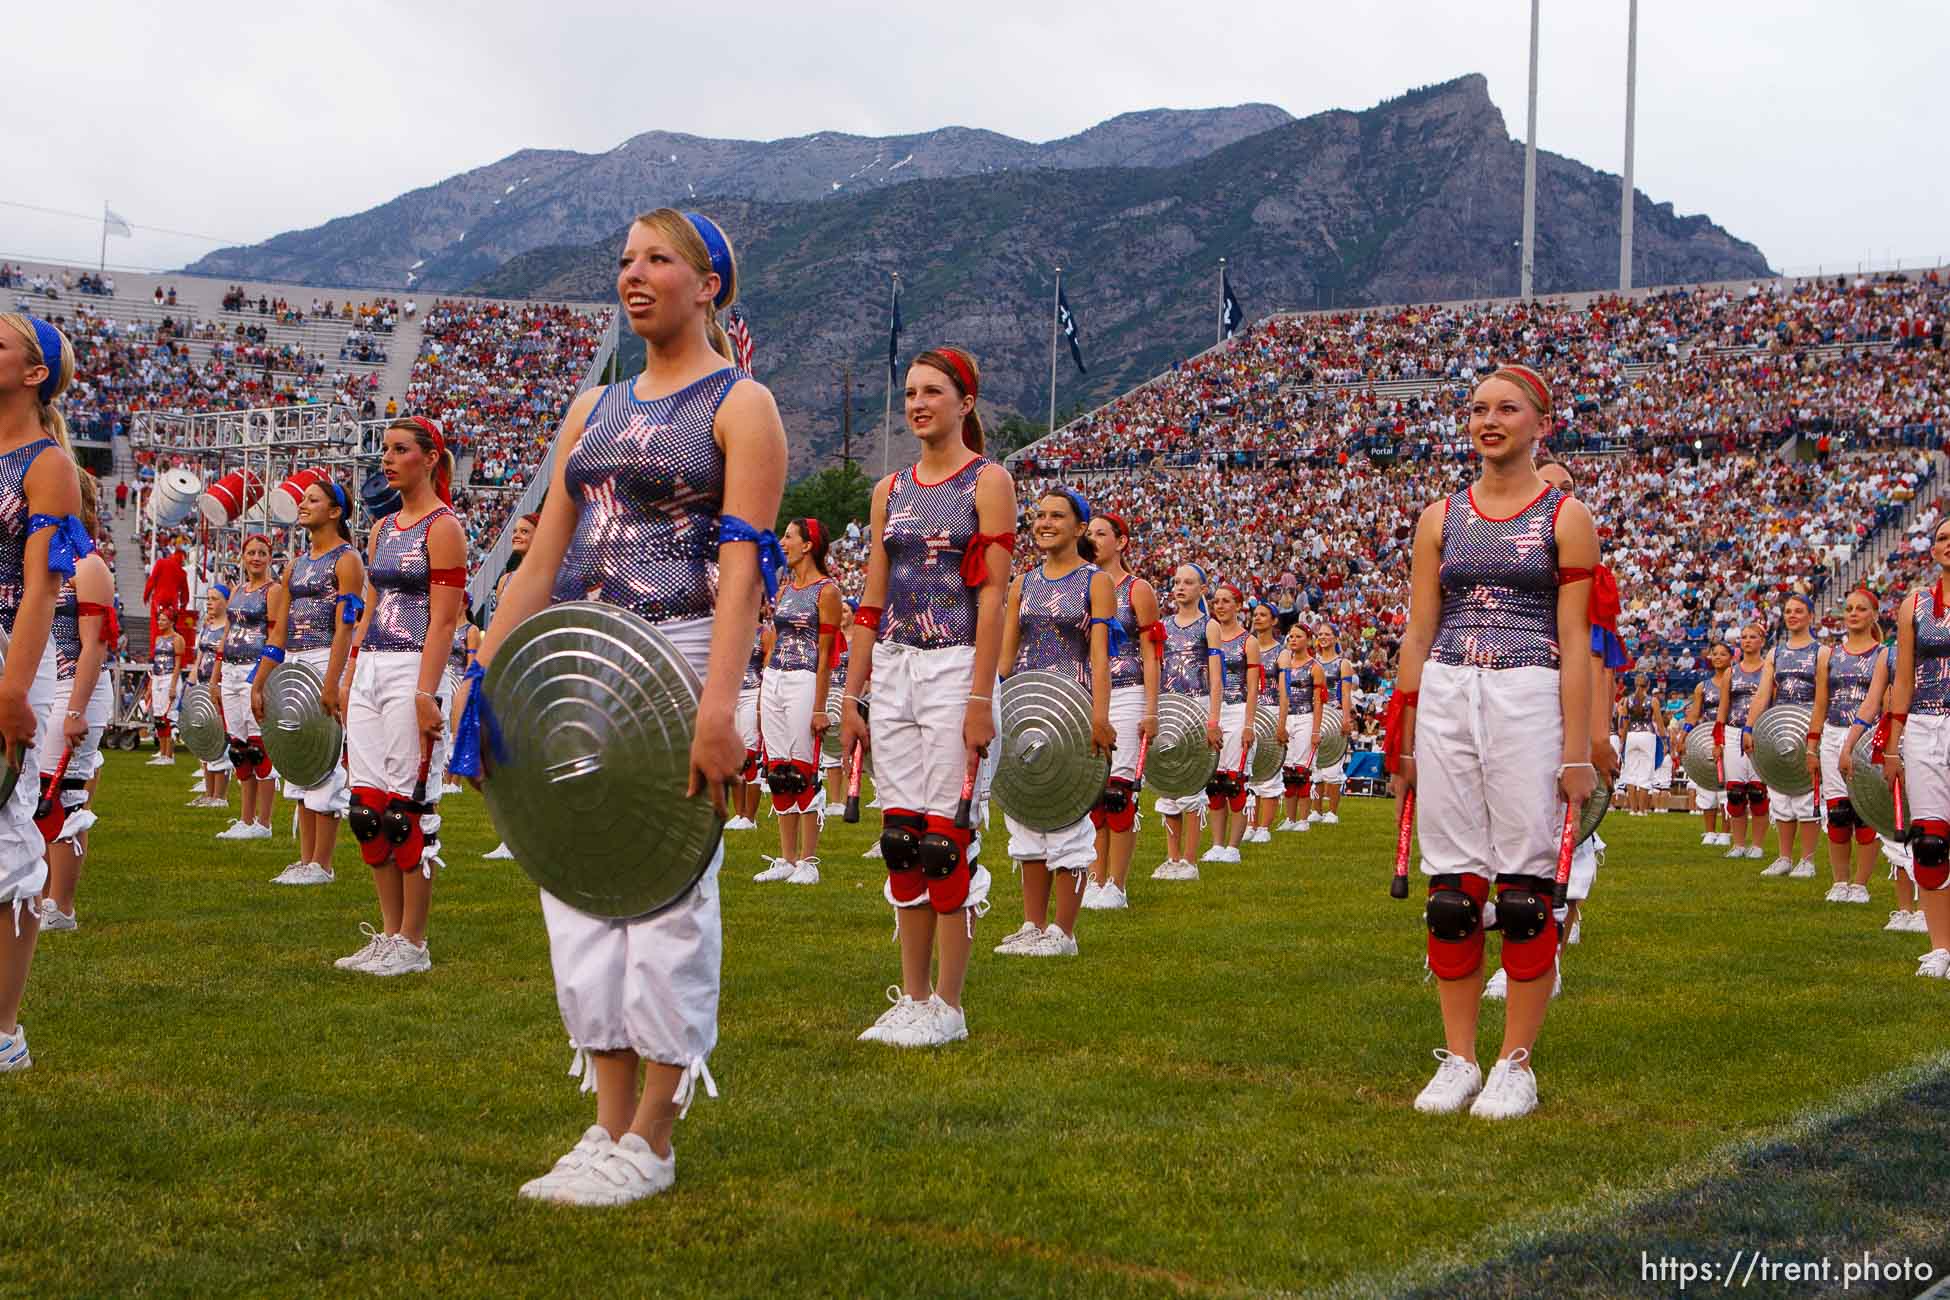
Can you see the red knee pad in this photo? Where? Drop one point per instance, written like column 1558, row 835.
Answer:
column 1929, row 847
column 1119, row 806
column 364, row 818
column 1865, row 834
column 262, row 768
column 1756, row 799
column 1236, row 800
column 944, row 862
column 1098, row 817
column 900, row 848
column 408, row 852
column 162, row 731
column 1524, row 914
column 750, row 772
column 1454, row 915
column 1838, row 834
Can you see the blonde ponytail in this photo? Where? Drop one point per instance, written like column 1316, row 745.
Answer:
column 53, row 424
column 720, row 341
column 677, row 230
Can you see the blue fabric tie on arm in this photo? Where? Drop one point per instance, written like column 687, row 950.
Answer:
column 69, row 543
column 353, row 607
column 1606, row 645
column 477, row 718
column 271, row 652
column 771, row 559
column 1114, row 637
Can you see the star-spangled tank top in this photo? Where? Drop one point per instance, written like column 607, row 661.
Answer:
column 458, row 656
column 1184, row 658
column 1709, row 700
column 1127, row 669
column 1232, row 669
column 647, row 479
column 401, row 577
column 209, row 644
column 249, row 621
column 65, row 632
column 314, row 587
column 162, row 659
column 755, row 665
column 1741, row 685
column 1638, row 714
column 1331, row 670
column 1300, row 685
column 1932, row 694
column 929, row 527
column 1054, row 618
column 1794, row 673
column 1499, row 585
column 1849, row 675
column 13, row 527
column 795, row 627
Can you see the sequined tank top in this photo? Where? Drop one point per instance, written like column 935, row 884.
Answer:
column 1232, row 668
column 314, row 588
column 1127, row 669
column 1055, row 623
column 399, row 574
column 1709, row 700
column 1932, row 694
column 1499, row 586
column 647, row 479
column 1638, row 714
column 1848, row 682
column 65, row 632
column 248, row 622
column 1184, row 661
column 13, row 526
column 209, row 644
column 929, row 526
column 162, row 659
column 755, row 666
column 1794, row 673
column 1741, row 685
column 795, row 627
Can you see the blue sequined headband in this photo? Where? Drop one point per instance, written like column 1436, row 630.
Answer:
column 719, row 249
column 50, row 341
column 1076, row 501
column 220, row 589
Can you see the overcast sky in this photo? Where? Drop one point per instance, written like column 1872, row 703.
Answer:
column 1811, row 127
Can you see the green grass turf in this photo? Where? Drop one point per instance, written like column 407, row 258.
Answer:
column 1213, row 1099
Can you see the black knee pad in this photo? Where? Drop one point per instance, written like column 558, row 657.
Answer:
column 900, row 840
column 1523, row 907
column 938, row 855
column 240, row 754
column 1841, row 815
column 1931, row 850
column 1451, row 914
column 1116, row 796
column 785, row 779
column 365, row 821
column 1216, row 787
column 399, row 819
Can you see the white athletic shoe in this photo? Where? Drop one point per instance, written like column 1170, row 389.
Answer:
column 1510, row 1092
column 314, row 873
column 403, row 957
column 625, row 1172
column 873, row 851
column 1092, row 893
column 201, row 801
column 215, row 801
column 376, row 945
column 1898, row 922
column 1803, row 870
column 931, row 1024
column 1918, row 923
column 1112, row 899
column 593, row 1145
column 1935, row 964
column 160, row 760
column 1577, row 932
column 1754, row 852
column 1330, row 819
column 1857, row 894
column 1836, row 893
column 893, row 1018
column 1216, row 853
column 776, row 869
column 1178, row 869
column 1778, row 867
column 1260, row 835
column 1232, row 854
column 950, row 1023
column 13, row 1050
column 1014, row 945
column 1726, row 837
column 53, row 919
column 1708, row 837
column 1315, row 817
column 741, row 824
column 1456, row 1081
column 499, row 853
column 258, row 832
column 1498, row 988
column 237, row 830
column 806, row 872
column 1054, row 943
column 289, row 876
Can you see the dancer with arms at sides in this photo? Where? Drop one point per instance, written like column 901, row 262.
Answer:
column 1267, row 794
column 1338, row 677
column 1133, row 715
column 243, row 646
column 1788, row 677
column 1850, row 681
column 927, row 639
column 663, row 527
column 1638, row 719
column 1746, row 793
column 82, row 630
column 167, row 659
column 832, row 767
column 1184, row 670
column 1916, row 753
column 1303, row 683
column 1234, row 659
column 792, row 703
column 1490, row 726
column 1059, row 619
column 211, row 634
column 313, row 614
column 524, row 534
column 1704, row 707
column 39, row 494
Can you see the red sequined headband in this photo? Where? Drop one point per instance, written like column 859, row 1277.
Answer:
column 963, row 371
column 1539, row 390
column 433, row 430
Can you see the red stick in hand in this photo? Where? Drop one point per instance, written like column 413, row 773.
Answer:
column 1404, row 829
column 858, row 760
column 1566, row 845
column 967, row 802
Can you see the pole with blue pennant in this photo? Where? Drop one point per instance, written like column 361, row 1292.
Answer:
column 1055, row 324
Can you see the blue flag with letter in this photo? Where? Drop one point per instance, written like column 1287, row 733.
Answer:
column 1230, row 313
column 1068, row 323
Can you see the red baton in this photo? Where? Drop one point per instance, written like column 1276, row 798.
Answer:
column 1566, row 845
column 1398, row 887
column 852, row 813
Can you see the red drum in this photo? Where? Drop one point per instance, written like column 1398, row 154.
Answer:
column 287, row 496
column 230, row 496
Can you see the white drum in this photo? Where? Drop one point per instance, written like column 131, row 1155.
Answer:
column 174, row 497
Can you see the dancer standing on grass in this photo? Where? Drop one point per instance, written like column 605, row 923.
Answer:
column 39, row 497
column 1305, row 686
column 518, row 543
column 1916, row 754
column 1703, row 708
column 1746, row 794
column 313, row 612
column 1133, row 715
column 831, row 767
column 1490, row 725
column 1638, row 718
column 243, row 646
column 744, row 790
column 1184, row 670
column 1059, row 620
column 1267, row 794
column 792, row 703
column 1235, row 663
column 1338, row 676
column 210, row 637
column 1850, row 679
column 1789, row 678
column 660, row 526
column 166, row 660
column 927, row 639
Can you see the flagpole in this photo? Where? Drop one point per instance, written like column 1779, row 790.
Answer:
column 1054, row 312
column 101, row 267
column 1220, row 334
column 887, row 417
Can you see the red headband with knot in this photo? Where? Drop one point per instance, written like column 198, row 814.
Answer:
column 1116, row 522
column 259, row 537
column 963, row 371
column 431, row 427
column 1540, row 392
column 815, row 531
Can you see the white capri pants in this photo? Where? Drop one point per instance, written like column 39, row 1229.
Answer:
column 747, row 717
column 382, row 729
column 162, row 701
column 785, row 709
column 1705, row 800
column 1791, row 807
column 1487, row 743
column 919, row 761
column 1232, row 736
column 333, row 795
column 1126, row 714
column 1739, row 768
column 87, row 758
column 1641, row 749
column 1194, row 804
column 647, row 985
column 1584, row 868
column 23, row 861
column 1662, row 771
column 1926, row 766
column 1333, row 775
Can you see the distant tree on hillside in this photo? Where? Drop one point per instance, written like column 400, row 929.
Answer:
column 834, row 496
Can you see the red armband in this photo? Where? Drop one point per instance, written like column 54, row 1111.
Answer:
column 1409, row 699
column 454, row 577
column 825, row 628
column 868, row 617
column 1392, row 725
column 975, row 560
column 90, row 609
column 1719, row 733
column 1880, row 744
column 1154, row 632
column 1604, row 606
column 1567, row 576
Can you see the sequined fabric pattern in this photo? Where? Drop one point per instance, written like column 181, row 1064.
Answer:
column 248, row 623
column 1848, row 682
column 314, row 586
column 1184, row 661
column 1499, row 586
column 1932, row 693
column 929, row 526
column 399, row 577
column 1232, row 664
column 209, row 644
column 1127, row 669
column 65, row 632
column 1055, row 624
column 162, row 660
column 13, row 526
column 1794, row 673
column 795, row 627
column 1741, row 685
column 648, row 483
column 755, row 666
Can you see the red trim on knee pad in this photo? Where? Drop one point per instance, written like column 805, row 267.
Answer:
column 1838, row 834
column 1098, row 817
column 1123, row 821
column 1237, row 802
column 407, row 854
column 909, row 885
column 1460, row 958
column 1865, row 834
column 948, row 893
column 1531, row 958
column 1756, row 800
column 376, row 850
column 798, row 803
column 1935, row 876
column 749, row 773
column 162, row 731
column 262, row 771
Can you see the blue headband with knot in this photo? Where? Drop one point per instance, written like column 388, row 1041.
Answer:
column 220, row 589
column 720, row 250
column 50, row 340
column 1077, row 503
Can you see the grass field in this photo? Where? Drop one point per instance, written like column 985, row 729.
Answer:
column 1213, row 1099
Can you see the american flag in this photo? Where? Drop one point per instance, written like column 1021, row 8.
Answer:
column 740, row 335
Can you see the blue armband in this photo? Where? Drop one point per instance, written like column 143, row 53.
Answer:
column 1865, row 722
column 271, row 652
column 1114, row 633
column 69, row 543
column 1687, row 728
column 354, row 607
column 771, row 559
column 1214, row 650
column 475, row 720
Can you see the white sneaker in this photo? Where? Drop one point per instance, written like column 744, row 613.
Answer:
column 1803, row 870
column 1314, row 817
column 258, row 832
column 1112, row 899
column 1093, row 892
column 237, row 830
column 499, row 853
column 1456, row 1081
column 776, row 869
column 161, row 760
column 1330, row 819
column 376, row 945
column 1510, row 1092
column 201, row 801
column 13, row 1050
column 1261, row 835
column 1735, row 852
column 932, row 1023
column 1778, row 867
column 1498, row 988
column 1857, row 894
column 625, row 1172
column 1176, row 870
column 1724, row 838
column 54, row 920
column 289, row 876
column 1708, row 837
column 1232, row 854
column 1836, row 893
column 403, row 957
column 1577, row 932
column 873, row 851
column 741, row 824
column 806, row 872
column 1014, row 945
column 593, row 1145
column 215, row 801
column 1918, row 923
column 314, row 873
column 950, row 1023
column 1214, row 854
column 1300, row 827
column 1935, row 964
column 1054, row 943
column 893, row 1018
column 1753, row 851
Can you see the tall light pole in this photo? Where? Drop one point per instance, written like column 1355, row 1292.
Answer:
column 1530, row 167
column 1631, row 98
